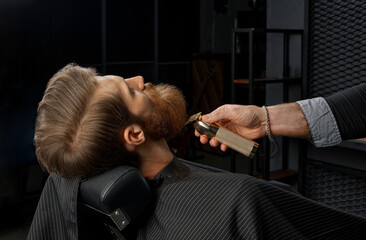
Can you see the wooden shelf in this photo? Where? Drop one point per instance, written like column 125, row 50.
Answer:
column 266, row 80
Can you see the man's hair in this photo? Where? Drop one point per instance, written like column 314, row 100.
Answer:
column 76, row 135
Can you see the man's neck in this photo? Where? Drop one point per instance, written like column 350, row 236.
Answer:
column 154, row 156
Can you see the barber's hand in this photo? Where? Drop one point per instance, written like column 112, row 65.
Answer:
column 247, row 121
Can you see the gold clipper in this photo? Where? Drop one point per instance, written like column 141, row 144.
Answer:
column 223, row 135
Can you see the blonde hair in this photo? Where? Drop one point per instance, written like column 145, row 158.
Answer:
column 75, row 136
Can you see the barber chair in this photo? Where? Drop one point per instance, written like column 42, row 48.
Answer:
column 113, row 201
column 109, row 202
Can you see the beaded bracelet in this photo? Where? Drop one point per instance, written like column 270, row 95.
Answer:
column 268, row 129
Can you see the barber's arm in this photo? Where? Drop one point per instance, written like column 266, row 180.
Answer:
column 349, row 109
column 321, row 122
column 324, row 121
column 338, row 117
column 251, row 121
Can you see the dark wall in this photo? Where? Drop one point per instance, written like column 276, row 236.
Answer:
column 38, row 37
column 284, row 14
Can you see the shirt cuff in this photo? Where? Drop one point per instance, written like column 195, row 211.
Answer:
column 322, row 124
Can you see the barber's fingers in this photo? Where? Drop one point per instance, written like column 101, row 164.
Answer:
column 213, row 142
column 221, row 113
column 223, row 147
column 203, row 138
column 196, row 133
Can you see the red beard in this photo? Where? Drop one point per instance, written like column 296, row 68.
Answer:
column 168, row 115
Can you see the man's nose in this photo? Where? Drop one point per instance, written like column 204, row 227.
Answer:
column 136, row 82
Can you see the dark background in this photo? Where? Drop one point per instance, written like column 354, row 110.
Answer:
column 38, row 37
column 176, row 42
column 156, row 39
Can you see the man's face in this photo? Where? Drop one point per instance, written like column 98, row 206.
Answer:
column 160, row 110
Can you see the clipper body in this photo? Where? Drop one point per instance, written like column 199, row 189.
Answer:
column 225, row 136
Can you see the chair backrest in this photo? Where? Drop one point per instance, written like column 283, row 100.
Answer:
column 115, row 197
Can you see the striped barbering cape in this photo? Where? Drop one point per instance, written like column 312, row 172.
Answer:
column 195, row 203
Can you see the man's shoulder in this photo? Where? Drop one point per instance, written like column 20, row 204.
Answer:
column 207, row 174
column 194, row 166
column 224, row 177
column 203, row 174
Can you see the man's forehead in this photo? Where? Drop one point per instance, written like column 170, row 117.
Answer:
column 108, row 83
column 109, row 77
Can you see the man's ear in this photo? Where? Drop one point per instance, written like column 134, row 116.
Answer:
column 133, row 135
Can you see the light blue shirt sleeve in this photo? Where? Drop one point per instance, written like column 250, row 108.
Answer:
column 322, row 124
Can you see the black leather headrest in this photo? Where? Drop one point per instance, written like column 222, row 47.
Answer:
column 123, row 189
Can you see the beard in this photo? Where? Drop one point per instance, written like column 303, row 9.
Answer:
column 168, row 114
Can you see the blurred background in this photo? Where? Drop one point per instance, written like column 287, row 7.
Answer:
column 217, row 51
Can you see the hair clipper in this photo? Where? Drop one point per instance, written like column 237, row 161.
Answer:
column 223, row 135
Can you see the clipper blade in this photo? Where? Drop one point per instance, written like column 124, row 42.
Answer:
column 193, row 118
